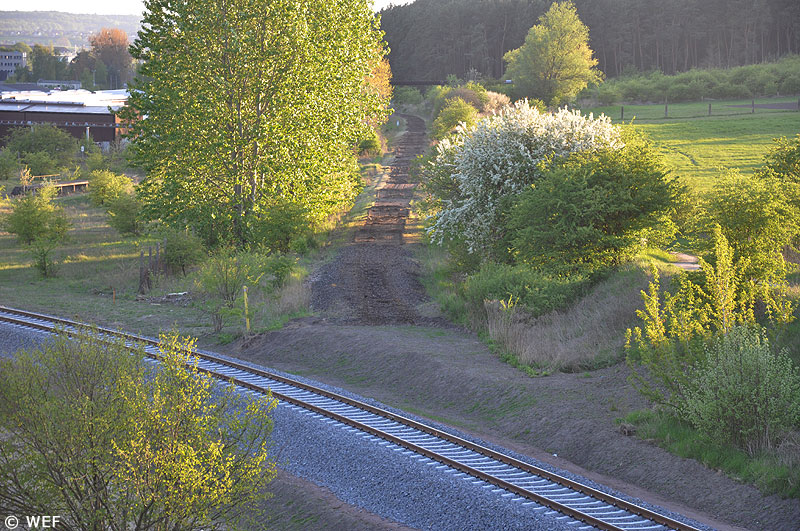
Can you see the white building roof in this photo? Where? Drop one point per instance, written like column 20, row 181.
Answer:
column 66, row 101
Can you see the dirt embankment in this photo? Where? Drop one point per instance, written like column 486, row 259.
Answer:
column 371, row 338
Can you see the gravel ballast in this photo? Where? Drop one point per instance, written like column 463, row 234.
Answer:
column 409, row 488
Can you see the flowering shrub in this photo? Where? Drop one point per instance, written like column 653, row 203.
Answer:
column 502, row 156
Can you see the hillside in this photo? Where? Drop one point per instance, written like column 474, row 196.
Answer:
column 59, row 29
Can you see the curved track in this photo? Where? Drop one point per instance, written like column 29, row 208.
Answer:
column 588, row 507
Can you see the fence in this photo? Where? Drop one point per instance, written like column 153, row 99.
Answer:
column 151, row 267
column 702, row 109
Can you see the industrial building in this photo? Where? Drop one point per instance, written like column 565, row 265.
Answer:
column 82, row 113
column 10, row 61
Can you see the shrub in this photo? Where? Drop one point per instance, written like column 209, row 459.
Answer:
column 182, row 249
column 124, row 214
column 96, row 162
column 40, row 163
column 759, row 217
column 742, row 393
column 98, row 436
column 9, row 165
column 455, row 112
column 618, row 199
column 105, row 186
column 370, row 146
column 608, row 94
column 57, row 145
column 407, row 96
column 35, row 217
column 495, row 102
column 282, row 223
column 707, row 304
column 539, row 291
column 222, row 277
column 501, row 157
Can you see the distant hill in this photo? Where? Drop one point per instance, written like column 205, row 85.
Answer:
column 60, row 29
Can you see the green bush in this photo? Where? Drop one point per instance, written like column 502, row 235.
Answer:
column 58, row 145
column 222, row 277
column 596, row 207
column 105, row 186
column 539, row 291
column 182, row 249
column 282, row 223
column 96, row 162
column 9, row 165
column 40, row 163
column 454, row 112
column 42, row 225
column 371, row 146
column 124, row 214
column 35, row 216
column 743, row 394
column 407, row 96
column 608, row 94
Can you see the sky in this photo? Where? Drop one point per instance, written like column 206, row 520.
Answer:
column 106, row 7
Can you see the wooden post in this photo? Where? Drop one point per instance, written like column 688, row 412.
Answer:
column 158, row 258
column 666, row 109
column 246, row 311
column 141, row 272
column 754, row 106
column 622, row 113
column 149, row 267
column 164, row 265
column 709, row 109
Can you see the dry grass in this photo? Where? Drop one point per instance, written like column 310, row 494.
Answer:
column 588, row 334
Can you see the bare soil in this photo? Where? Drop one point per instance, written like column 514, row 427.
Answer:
column 375, row 335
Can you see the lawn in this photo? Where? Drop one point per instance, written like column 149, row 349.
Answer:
column 697, row 149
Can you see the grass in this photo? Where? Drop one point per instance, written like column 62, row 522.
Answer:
column 586, row 335
column 775, row 472
column 697, row 147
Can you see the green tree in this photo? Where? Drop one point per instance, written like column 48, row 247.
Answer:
column 93, row 433
column 248, row 103
column 57, row 145
column 555, row 62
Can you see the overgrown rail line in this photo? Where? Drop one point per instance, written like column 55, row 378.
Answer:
column 521, row 481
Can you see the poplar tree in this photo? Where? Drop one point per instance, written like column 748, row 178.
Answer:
column 555, row 62
column 242, row 106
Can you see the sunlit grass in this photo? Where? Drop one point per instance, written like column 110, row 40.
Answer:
column 699, row 149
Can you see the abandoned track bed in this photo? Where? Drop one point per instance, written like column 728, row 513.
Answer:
column 583, row 507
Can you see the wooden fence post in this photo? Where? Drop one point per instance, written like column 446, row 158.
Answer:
column 709, row 109
column 141, row 272
column 622, row 113
column 754, row 106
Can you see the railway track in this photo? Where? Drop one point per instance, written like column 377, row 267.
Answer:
column 585, row 507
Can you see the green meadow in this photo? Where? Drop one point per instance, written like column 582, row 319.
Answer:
column 697, row 147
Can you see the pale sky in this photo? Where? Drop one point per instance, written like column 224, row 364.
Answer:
column 106, row 7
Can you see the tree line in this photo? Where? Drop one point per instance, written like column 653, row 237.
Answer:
column 107, row 64
column 430, row 39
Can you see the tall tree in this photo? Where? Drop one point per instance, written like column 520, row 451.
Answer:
column 555, row 62
column 111, row 47
column 248, row 104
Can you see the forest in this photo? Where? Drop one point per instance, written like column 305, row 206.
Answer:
column 430, row 39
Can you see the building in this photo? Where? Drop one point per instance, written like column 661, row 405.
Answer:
column 59, row 84
column 82, row 113
column 10, row 61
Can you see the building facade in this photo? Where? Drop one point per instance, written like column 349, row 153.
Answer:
column 10, row 61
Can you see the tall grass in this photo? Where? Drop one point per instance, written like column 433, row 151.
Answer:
column 588, row 334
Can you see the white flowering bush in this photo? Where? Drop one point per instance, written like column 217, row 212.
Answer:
column 501, row 156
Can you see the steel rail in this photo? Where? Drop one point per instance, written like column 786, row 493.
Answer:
column 479, row 449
